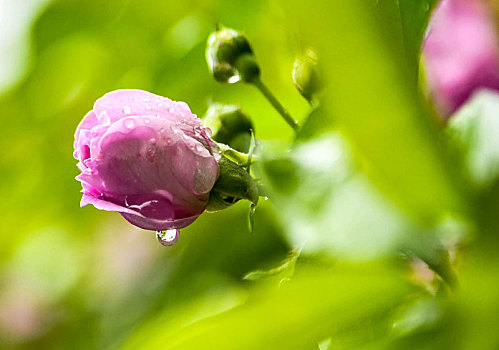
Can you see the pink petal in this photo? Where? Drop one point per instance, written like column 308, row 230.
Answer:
column 124, row 103
column 461, row 52
column 87, row 123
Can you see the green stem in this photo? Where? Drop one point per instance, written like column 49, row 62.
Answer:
column 276, row 104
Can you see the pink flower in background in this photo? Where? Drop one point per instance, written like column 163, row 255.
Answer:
column 146, row 157
column 461, row 52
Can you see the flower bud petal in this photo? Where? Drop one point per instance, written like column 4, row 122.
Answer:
column 229, row 125
column 224, row 50
column 306, row 75
column 146, row 157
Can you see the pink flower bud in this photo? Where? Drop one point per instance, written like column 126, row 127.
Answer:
column 461, row 52
column 147, row 157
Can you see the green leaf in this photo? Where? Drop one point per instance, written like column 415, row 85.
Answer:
column 307, row 310
column 283, row 271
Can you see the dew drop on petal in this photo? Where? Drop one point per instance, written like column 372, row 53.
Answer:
column 199, row 148
column 148, row 107
column 147, row 121
column 129, row 123
column 175, row 129
column 150, row 153
column 168, row 237
column 104, row 118
column 126, row 110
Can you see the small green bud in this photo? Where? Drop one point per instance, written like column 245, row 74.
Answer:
column 306, row 75
column 224, row 72
column 248, row 68
column 233, row 184
column 229, row 125
column 225, row 48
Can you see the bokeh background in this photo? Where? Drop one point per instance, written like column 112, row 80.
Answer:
column 371, row 184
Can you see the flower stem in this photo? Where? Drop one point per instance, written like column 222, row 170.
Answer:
column 276, row 104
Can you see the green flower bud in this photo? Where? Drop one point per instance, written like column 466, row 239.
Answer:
column 233, row 184
column 230, row 57
column 306, row 75
column 247, row 68
column 229, row 125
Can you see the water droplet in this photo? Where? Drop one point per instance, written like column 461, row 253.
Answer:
column 148, row 107
column 168, row 237
column 150, row 153
column 175, row 129
column 266, row 198
column 251, row 217
column 169, row 141
column 185, row 137
column 126, row 110
column 152, row 140
column 199, row 148
column 129, row 123
column 234, row 79
column 147, row 121
column 171, row 110
column 104, row 118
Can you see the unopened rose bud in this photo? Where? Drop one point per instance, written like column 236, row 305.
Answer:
column 147, row 157
column 461, row 52
column 306, row 75
column 230, row 57
column 229, row 125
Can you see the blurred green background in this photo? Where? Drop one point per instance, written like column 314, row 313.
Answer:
column 371, row 189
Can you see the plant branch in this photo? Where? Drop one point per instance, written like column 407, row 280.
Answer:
column 276, row 104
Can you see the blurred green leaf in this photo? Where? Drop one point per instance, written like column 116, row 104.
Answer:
column 316, row 123
column 376, row 103
column 307, row 310
column 327, row 205
column 414, row 15
column 281, row 272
